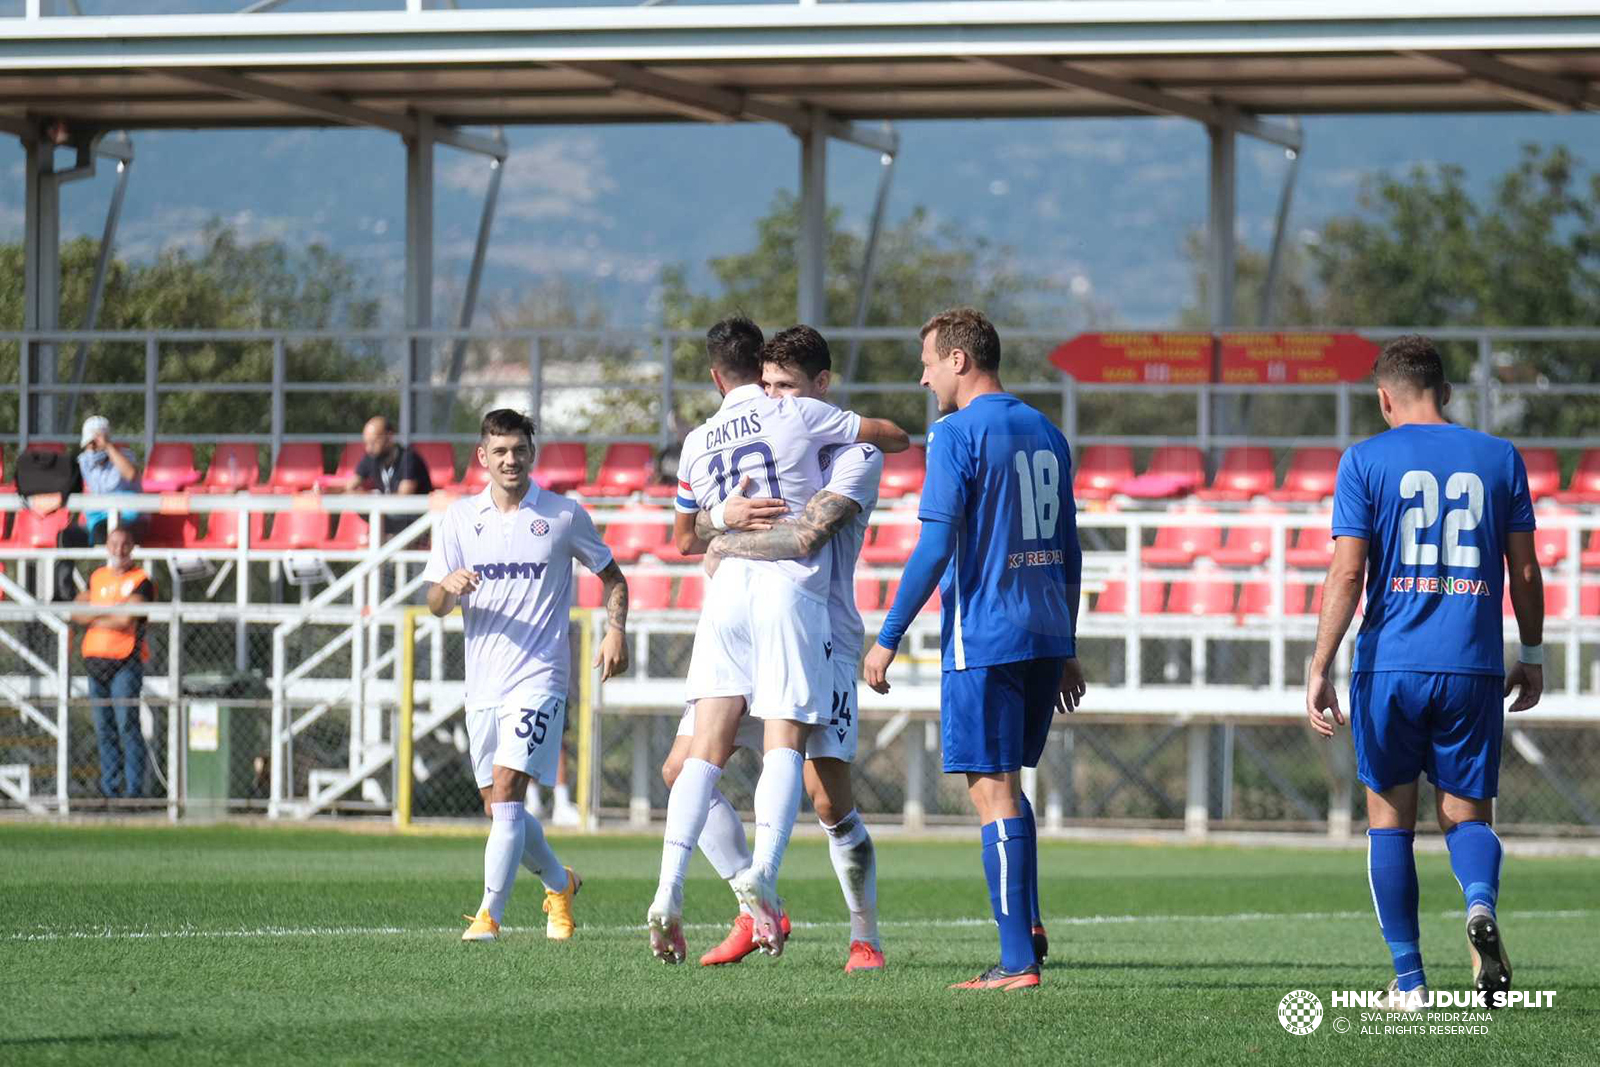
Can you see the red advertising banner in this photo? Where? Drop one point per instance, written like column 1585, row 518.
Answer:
column 1295, row 358
column 1137, row 358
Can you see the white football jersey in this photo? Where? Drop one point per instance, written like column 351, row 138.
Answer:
column 853, row 471
column 518, row 618
column 776, row 441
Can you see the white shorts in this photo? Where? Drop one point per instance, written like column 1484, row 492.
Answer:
column 836, row 738
column 761, row 637
column 526, row 739
column 751, row 735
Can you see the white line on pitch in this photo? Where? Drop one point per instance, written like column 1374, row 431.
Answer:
column 108, row 934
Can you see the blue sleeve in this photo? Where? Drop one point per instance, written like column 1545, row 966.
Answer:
column 945, row 486
column 1352, row 504
column 1521, row 499
column 935, row 545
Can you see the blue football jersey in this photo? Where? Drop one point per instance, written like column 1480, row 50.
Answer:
column 1001, row 474
column 1435, row 504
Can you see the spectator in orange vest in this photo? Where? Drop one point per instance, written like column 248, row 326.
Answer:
column 114, row 654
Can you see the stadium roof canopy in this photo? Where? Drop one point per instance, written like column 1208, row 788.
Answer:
column 773, row 62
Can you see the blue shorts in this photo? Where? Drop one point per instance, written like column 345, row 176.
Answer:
column 1446, row 726
column 997, row 718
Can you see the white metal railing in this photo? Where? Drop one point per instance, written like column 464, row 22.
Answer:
column 558, row 372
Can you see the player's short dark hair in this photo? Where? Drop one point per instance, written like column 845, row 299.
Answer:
column 969, row 330
column 504, row 422
column 798, row 348
column 734, row 345
column 1411, row 363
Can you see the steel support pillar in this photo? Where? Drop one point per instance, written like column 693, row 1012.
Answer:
column 1221, row 246
column 811, row 248
column 41, row 303
column 416, row 406
column 1280, row 226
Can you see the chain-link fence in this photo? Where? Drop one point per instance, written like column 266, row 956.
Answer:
column 295, row 709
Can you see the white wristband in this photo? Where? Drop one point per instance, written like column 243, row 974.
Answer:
column 718, row 514
column 1532, row 655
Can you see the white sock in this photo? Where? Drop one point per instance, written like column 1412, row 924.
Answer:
column 563, row 796
column 500, row 857
column 856, row 863
column 777, row 804
column 723, row 840
column 687, row 806
column 539, row 858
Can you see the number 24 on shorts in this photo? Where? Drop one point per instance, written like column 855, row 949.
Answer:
column 534, row 723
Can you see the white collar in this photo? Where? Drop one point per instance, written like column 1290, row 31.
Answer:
column 741, row 395
column 486, row 498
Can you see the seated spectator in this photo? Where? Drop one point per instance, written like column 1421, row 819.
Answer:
column 106, row 469
column 114, row 654
column 388, row 467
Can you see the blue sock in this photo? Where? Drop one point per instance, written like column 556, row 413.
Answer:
column 1005, row 865
column 1475, row 856
column 1032, row 858
column 1392, row 874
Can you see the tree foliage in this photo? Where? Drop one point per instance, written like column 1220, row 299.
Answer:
column 228, row 284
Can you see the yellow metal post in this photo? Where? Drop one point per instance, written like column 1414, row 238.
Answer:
column 402, row 741
column 586, row 682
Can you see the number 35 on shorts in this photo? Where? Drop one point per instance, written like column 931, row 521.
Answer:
column 530, row 737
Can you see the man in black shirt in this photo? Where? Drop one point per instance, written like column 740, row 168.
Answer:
column 388, row 467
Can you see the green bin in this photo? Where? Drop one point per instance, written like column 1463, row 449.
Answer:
column 224, row 740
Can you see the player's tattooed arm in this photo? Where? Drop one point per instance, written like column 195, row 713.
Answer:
column 612, row 656
column 824, row 516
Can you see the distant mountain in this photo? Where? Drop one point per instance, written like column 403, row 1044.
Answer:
column 1100, row 205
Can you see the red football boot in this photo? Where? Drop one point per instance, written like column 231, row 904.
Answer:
column 864, row 957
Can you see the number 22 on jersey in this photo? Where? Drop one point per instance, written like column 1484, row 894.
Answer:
column 1462, row 485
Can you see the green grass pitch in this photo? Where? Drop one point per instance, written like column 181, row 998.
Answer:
column 236, row 945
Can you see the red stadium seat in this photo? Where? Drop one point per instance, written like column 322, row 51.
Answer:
column 892, row 542
column 475, row 478
column 1201, row 596
column 1591, row 552
column 222, row 530
column 903, row 472
column 31, row 530
column 561, row 466
column 631, row 534
column 591, row 591
column 1544, row 471
column 171, row 531
column 625, row 469
column 1311, row 476
column 1244, row 546
column 691, row 593
column 1101, row 468
column 351, row 532
column 170, row 468
column 1550, row 542
column 1179, row 461
column 869, row 594
column 1585, row 485
column 932, row 604
column 1179, row 546
column 1589, row 601
column 1255, row 598
column 1245, row 473
column 440, row 459
column 298, row 468
column 234, row 466
column 298, row 529
column 649, row 592
column 1113, row 599
column 1312, row 548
